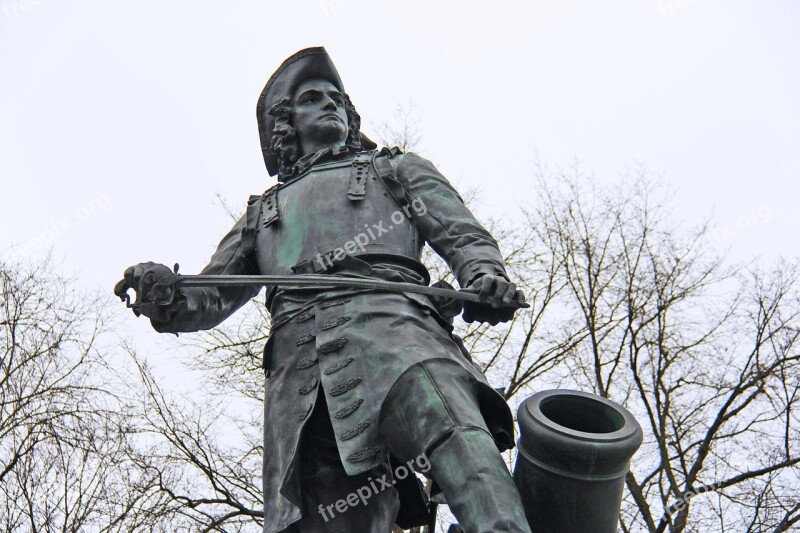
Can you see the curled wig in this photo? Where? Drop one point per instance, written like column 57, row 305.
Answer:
column 284, row 141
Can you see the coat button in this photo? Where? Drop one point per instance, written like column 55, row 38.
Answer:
column 304, row 364
column 332, row 346
column 305, row 389
column 305, row 412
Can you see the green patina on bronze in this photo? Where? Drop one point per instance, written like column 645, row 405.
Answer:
column 294, row 226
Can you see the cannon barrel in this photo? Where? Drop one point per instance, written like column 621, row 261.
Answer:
column 574, row 452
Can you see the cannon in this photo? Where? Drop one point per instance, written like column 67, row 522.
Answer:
column 574, row 452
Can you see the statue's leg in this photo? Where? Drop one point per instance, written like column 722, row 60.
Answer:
column 476, row 483
column 334, row 502
column 432, row 415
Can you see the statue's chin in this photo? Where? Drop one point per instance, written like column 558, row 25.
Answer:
column 330, row 133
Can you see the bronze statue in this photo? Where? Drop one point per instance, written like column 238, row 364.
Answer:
column 361, row 381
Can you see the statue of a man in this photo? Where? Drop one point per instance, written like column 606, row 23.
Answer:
column 361, row 383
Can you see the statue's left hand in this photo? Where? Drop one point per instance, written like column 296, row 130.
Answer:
column 500, row 298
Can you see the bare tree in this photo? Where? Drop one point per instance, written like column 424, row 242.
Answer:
column 402, row 130
column 60, row 428
column 202, row 481
column 705, row 357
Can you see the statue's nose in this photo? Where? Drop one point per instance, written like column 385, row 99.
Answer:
column 330, row 104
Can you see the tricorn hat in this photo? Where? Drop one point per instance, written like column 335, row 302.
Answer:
column 309, row 63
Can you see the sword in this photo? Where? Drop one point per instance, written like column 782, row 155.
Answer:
column 325, row 282
column 309, row 281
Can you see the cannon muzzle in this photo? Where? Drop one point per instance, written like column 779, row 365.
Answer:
column 574, row 451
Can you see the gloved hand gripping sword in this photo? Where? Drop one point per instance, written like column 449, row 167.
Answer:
column 159, row 290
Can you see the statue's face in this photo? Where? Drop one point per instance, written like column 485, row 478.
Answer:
column 319, row 115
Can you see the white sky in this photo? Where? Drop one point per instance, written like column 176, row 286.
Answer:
column 120, row 121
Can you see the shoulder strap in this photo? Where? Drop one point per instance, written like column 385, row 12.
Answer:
column 257, row 205
column 358, row 176
column 269, row 201
column 387, row 174
column 250, row 230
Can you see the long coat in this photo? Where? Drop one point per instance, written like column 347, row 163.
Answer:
column 354, row 344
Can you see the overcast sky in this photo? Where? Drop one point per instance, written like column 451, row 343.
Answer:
column 121, row 121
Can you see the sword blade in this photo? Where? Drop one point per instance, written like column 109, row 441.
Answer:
column 322, row 282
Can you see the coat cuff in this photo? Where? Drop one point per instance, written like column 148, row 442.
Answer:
column 471, row 273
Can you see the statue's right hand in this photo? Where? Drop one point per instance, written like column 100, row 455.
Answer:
column 142, row 278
